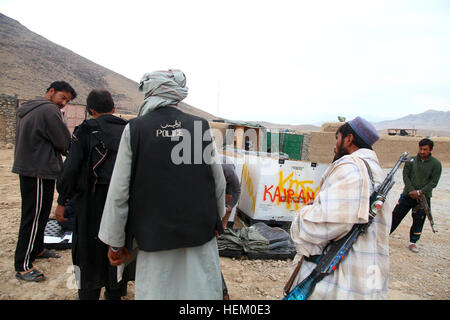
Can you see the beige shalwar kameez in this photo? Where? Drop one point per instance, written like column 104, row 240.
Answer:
column 185, row 273
column 342, row 201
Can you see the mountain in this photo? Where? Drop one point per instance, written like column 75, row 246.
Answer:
column 30, row 62
column 430, row 122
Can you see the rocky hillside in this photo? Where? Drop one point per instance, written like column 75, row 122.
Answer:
column 30, row 62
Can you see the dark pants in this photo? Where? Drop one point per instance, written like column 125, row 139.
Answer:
column 69, row 214
column 406, row 203
column 37, row 199
column 110, row 294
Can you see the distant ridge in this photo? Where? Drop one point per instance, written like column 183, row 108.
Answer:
column 430, row 122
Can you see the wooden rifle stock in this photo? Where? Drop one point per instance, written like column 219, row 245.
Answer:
column 424, row 205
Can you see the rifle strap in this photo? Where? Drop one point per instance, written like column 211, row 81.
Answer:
column 288, row 285
column 315, row 258
column 370, row 173
column 416, row 172
column 418, row 177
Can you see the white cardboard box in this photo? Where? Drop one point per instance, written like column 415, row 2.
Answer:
column 273, row 191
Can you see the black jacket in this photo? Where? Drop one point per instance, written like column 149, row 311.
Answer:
column 233, row 184
column 41, row 139
column 80, row 171
column 88, row 252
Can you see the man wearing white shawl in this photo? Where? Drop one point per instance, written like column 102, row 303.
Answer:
column 172, row 209
column 342, row 201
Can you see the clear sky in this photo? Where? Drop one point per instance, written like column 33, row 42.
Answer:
column 289, row 62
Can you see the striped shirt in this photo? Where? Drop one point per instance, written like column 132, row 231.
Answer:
column 342, row 201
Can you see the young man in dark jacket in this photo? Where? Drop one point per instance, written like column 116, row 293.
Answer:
column 233, row 190
column 420, row 177
column 85, row 179
column 41, row 140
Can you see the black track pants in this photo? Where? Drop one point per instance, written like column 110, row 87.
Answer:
column 406, row 203
column 37, row 199
column 110, row 294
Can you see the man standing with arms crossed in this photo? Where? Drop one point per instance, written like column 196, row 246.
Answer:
column 41, row 140
column 420, row 177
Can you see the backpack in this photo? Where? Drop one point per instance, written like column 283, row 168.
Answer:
column 102, row 153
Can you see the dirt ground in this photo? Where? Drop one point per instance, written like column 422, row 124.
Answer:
column 423, row 275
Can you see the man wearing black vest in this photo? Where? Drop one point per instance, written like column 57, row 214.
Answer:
column 167, row 192
column 85, row 180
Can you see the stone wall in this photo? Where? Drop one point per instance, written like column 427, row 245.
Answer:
column 73, row 115
column 306, row 146
column 321, row 146
column 388, row 148
column 8, row 105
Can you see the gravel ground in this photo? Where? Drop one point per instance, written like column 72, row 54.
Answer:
column 423, row 275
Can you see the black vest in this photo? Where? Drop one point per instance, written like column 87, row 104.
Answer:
column 171, row 205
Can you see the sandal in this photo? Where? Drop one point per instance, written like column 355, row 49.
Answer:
column 48, row 254
column 31, row 276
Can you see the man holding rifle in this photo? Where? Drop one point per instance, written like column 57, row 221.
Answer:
column 420, row 177
column 342, row 202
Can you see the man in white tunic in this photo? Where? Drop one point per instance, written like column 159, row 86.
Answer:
column 169, row 195
column 342, row 201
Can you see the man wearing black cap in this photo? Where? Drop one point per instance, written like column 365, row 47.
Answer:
column 342, row 201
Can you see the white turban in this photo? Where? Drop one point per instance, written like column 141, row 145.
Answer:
column 162, row 88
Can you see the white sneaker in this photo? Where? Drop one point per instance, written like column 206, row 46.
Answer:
column 413, row 247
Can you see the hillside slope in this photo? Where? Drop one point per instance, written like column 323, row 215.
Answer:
column 30, row 62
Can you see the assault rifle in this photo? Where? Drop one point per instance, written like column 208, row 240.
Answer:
column 336, row 251
column 423, row 204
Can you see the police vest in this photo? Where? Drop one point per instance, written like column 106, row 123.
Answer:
column 172, row 200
